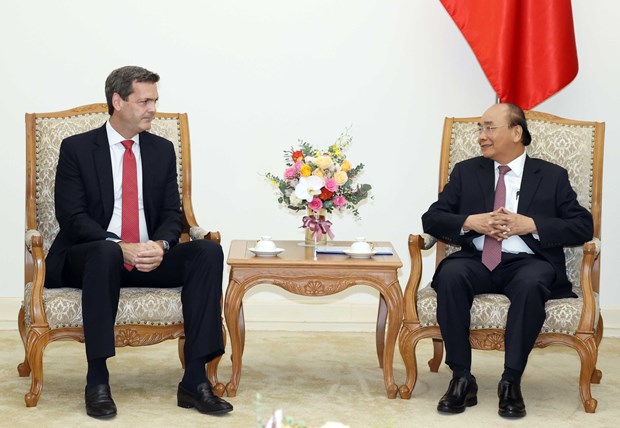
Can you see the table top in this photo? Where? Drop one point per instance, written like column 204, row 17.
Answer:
column 296, row 253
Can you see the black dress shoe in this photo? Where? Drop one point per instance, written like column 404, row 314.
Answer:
column 511, row 403
column 461, row 393
column 99, row 403
column 203, row 400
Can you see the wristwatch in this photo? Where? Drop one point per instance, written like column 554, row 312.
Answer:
column 166, row 246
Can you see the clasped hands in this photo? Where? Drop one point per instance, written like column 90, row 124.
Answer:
column 500, row 224
column 145, row 256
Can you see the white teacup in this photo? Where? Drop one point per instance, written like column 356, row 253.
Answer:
column 265, row 244
column 361, row 245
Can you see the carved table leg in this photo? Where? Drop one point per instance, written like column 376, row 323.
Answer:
column 380, row 329
column 394, row 300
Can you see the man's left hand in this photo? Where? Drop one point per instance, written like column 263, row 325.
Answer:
column 150, row 257
column 514, row 223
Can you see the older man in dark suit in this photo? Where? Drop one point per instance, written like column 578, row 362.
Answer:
column 118, row 207
column 512, row 215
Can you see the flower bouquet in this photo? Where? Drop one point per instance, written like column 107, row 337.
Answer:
column 319, row 181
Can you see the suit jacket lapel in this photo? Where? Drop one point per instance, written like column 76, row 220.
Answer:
column 149, row 160
column 486, row 182
column 103, row 165
column 529, row 185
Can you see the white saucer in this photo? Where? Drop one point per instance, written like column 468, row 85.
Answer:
column 360, row 255
column 260, row 253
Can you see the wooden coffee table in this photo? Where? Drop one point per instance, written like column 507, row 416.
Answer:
column 297, row 271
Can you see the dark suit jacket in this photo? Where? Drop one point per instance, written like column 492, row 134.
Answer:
column 84, row 194
column 545, row 195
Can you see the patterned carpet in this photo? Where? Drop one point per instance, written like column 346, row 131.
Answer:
column 313, row 377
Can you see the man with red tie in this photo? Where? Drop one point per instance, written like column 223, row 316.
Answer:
column 511, row 215
column 118, row 207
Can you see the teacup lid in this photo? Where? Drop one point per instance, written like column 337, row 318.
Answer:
column 265, row 238
column 360, row 239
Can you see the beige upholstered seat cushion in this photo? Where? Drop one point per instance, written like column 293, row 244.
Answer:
column 491, row 310
column 148, row 306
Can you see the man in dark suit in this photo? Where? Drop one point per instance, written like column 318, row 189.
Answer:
column 537, row 215
column 118, row 207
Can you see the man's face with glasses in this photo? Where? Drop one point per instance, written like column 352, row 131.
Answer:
column 498, row 140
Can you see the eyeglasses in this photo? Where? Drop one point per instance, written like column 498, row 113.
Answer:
column 487, row 129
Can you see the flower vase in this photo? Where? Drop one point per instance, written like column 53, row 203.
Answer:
column 310, row 235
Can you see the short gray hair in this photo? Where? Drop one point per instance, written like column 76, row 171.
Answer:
column 121, row 80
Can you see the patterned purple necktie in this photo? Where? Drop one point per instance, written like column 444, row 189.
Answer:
column 492, row 249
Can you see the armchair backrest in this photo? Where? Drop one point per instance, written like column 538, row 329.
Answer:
column 577, row 146
column 45, row 132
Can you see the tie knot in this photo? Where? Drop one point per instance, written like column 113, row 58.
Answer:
column 128, row 143
column 503, row 169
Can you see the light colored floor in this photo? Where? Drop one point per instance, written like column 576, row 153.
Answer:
column 313, row 377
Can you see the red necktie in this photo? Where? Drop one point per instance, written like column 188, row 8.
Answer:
column 130, row 228
column 492, row 249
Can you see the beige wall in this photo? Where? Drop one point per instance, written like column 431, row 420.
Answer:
column 254, row 76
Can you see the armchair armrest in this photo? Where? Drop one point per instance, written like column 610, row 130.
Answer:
column 197, row 232
column 429, row 241
column 597, row 245
column 29, row 237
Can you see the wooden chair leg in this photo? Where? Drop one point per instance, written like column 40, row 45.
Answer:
column 588, row 356
column 181, row 351
column 36, row 346
column 23, row 368
column 406, row 345
column 380, row 329
column 435, row 362
column 218, row 388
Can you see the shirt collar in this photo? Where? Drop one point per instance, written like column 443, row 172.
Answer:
column 517, row 164
column 115, row 138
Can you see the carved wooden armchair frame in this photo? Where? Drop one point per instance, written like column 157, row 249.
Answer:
column 145, row 316
column 577, row 323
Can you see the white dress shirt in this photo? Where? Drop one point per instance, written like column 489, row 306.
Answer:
column 512, row 179
column 117, row 150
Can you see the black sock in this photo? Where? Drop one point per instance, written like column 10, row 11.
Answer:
column 195, row 374
column 512, row 375
column 97, row 372
column 461, row 372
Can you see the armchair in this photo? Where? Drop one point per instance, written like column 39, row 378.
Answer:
column 145, row 316
column 578, row 147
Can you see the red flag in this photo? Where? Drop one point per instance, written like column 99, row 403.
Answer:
column 526, row 47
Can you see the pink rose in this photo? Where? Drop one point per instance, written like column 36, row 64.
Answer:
column 290, row 173
column 331, row 185
column 298, row 165
column 315, row 204
column 339, row 201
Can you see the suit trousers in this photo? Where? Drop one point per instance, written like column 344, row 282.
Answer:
column 525, row 279
column 97, row 268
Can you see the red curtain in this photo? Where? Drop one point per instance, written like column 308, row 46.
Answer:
column 526, row 47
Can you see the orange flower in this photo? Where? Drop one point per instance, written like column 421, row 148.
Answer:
column 298, row 156
column 305, row 171
column 325, row 194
